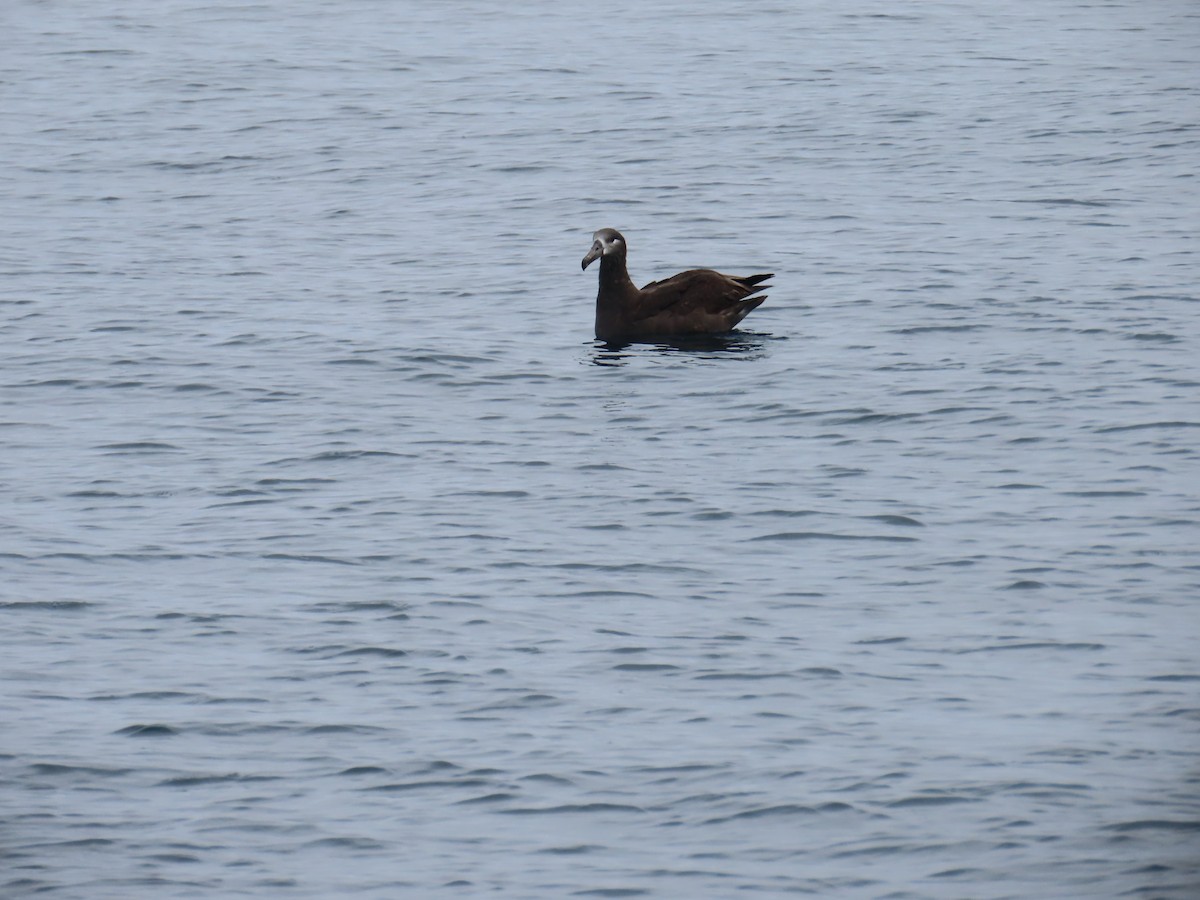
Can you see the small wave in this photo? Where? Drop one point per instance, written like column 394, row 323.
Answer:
column 47, row 605
column 147, row 731
column 1065, row 201
column 645, row 667
column 149, row 695
column 498, row 797
column 1104, row 493
column 568, row 808
column 872, row 418
column 90, row 771
column 406, row 786
column 782, row 809
column 609, row 593
column 926, row 329
column 1155, row 825
column 1036, row 645
column 139, row 447
column 347, row 843
column 924, row 800
column 1111, row 429
column 633, row 568
column 346, row 729
column 311, row 557
column 385, row 652
column 203, row 780
column 342, row 606
column 828, row 536
column 196, row 387
column 887, row 519
column 338, row 455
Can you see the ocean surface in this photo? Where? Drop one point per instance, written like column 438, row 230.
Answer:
column 337, row 560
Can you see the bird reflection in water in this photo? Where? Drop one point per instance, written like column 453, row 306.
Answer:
column 735, row 344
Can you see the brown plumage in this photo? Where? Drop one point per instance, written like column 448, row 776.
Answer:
column 696, row 302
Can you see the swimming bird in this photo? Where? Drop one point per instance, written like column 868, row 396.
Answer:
column 696, row 302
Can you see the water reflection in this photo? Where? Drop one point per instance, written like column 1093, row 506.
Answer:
column 741, row 344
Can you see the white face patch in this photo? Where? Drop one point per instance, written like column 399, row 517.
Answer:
column 608, row 241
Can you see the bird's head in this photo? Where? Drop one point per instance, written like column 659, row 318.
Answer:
column 605, row 242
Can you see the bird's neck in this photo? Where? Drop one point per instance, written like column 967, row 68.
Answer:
column 614, row 280
column 615, row 300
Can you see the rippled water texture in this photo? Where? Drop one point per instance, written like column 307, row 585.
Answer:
column 339, row 561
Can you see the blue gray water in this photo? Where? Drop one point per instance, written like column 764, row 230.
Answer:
column 338, row 560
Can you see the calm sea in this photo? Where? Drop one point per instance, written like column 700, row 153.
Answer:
column 337, row 560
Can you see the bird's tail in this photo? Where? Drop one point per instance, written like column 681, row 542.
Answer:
column 751, row 280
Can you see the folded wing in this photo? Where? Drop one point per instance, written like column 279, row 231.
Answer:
column 701, row 293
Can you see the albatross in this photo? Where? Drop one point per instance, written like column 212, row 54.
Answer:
column 696, row 302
